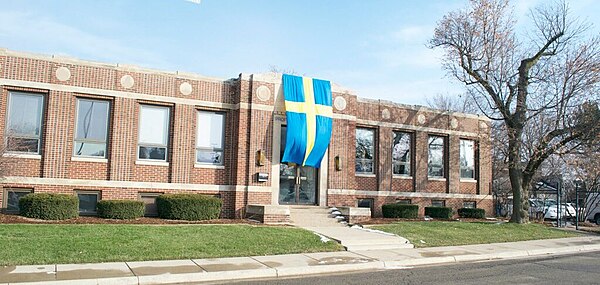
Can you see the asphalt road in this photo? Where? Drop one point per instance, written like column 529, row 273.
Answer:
column 565, row 269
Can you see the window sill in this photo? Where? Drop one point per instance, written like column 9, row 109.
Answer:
column 436, row 178
column 89, row 159
column 365, row 175
column 468, row 180
column 210, row 166
column 150, row 162
column 403, row 177
column 22, row 155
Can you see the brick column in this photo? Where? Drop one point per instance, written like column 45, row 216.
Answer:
column 183, row 143
column 421, row 156
column 453, row 164
column 484, row 171
column 56, row 138
column 123, row 141
column 384, row 158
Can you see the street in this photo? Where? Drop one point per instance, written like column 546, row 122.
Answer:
column 566, row 269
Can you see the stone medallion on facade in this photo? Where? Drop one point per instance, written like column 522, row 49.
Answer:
column 454, row 123
column 385, row 114
column 127, row 81
column 421, row 119
column 62, row 73
column 185, row 88
column 339, row 103
column 263, row 93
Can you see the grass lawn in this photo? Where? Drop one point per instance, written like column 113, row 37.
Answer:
column 461, row 233
column 50, row 244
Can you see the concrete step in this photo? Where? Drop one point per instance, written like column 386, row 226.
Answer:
column 313, row 216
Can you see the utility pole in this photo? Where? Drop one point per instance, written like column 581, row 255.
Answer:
column 576, row 204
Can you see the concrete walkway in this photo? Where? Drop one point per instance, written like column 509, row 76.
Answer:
column 354, row 239
column 321, row 221
column 219, row 269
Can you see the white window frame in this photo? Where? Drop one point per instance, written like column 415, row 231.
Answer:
column 75, row 140
column 407, row 164
column 461, row 149
column 444, row 157
column 20, row 136
column 372, row 160
column 222, row 149
column 167, row 133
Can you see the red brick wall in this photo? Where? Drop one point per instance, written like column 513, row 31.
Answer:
column 249, row 128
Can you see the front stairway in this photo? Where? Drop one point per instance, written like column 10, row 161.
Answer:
column 327, row 222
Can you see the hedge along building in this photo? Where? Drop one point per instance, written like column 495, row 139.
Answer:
column 103, row 131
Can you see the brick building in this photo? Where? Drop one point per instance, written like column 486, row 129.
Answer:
column 104, row 131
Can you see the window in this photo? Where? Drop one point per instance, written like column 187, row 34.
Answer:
column 365, row 150
column 209, row 137
column 88, row 200
column 403, row 201
column 435, row 164
column 12, row 197
column 438, row 203
column 469, row 204
column 401, row 146
column 24, row 123
column 91, row 128
column 467, row 159
column 149, row 200
column 154, row 132
column 365, row 203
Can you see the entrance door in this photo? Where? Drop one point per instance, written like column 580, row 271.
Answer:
column 297, row 184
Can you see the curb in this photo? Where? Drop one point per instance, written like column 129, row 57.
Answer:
column 270, row 273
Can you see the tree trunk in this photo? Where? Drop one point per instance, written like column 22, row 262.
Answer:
column 520, row 214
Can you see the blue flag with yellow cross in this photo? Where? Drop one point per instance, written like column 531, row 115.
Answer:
column 309, row 119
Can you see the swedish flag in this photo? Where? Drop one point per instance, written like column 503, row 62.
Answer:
column 309, row 118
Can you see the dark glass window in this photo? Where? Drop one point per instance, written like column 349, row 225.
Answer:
column 435, row 164
column 24, row 122
column 438, row 203
column 92, row 128
column 403, row 201
column 12, row 197
column 149, row 200
column 469, row 204
column 401, row 146
column 88, row 200
column 365, row 150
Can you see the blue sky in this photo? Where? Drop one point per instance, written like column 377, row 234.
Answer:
column 375, row 47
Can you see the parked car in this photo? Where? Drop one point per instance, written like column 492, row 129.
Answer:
column 570, row 213
column 593, row 204
column 551, row 212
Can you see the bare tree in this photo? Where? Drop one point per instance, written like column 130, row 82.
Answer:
column 543, row 88
column 458, row 103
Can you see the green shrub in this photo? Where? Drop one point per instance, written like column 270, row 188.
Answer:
column 438, row 212
column 400, row 211
column 120, row 209
column 49, row 206
column 474, row 213
column 190, row 207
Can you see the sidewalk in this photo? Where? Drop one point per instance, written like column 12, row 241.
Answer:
column 203, row 270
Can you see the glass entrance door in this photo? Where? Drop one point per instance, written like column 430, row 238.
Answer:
column 297, row 184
